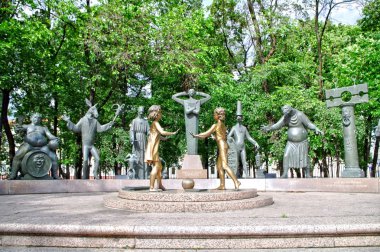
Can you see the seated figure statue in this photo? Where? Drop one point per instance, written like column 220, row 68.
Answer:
column 36, row 156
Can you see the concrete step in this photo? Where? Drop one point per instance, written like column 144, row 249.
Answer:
column 195, row 237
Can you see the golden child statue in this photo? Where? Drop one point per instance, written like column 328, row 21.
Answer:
column 151, row 154
column 221, row 139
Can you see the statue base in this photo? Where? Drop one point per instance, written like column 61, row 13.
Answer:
column 192, row 168
column 352, row 173
column 30, row 177
column 260, row 173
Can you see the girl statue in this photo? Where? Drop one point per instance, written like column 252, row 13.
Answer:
column 151, row 154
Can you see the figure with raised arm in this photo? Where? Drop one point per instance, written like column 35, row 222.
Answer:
column 88, row 126
column 297, row 147
column 239, row 133
column 221, row 140
column 151, row 154
column 192, row 107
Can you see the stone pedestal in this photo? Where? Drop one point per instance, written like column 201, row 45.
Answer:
column 352, row 173
column 233, row 158
column 192, row 168
column 260, row 173
column 194, row 200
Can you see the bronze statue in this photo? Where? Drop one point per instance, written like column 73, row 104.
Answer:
column 221, row 139
column 39, row 140
column 88, row 126
column 151, row 154
column 297, row 147
column 139, row 130
column 192, row 107
column 239, row 133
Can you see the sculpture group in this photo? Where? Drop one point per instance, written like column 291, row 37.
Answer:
column 36, row 156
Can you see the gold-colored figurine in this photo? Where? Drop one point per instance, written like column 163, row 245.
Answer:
column 151, row 154
column 221, row 139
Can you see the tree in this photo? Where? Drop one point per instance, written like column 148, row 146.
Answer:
column 371, row 17
column 250, row 31
column 323, row 10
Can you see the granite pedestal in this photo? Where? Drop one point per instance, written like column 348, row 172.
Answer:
column 186, row 200
column 192, row 168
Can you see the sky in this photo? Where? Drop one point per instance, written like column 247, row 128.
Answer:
column 347, row 14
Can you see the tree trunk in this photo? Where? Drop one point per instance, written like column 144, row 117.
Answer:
column 281, row 166
column 375, row 155
column 318, row 37
column 337, row 157
column 206, row 154
column 78, row 163
column 5, row 123
column 325, row 167
column 55, row 130
column 367, row 143
column 257, row 40
column 320, row 67
column 117, row 168
column 291, row 172
column 298, row 172
column 1, row 122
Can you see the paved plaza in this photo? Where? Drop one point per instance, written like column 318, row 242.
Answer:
column 291, row 212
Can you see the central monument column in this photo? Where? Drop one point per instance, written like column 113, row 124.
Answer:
column 192, row 164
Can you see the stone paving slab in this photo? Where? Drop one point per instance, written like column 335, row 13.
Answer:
column 328, row 219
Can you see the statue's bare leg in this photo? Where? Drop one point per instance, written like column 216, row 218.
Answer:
column 307, row 172
column 159, row 176
column 221, row 175
column 244, row 164
column 54, row 164
column 153, row 174
column 85, row 150
column 285, row 164
column 307, row 168
column 95, row 154
column 16, row 163
column 232, row 176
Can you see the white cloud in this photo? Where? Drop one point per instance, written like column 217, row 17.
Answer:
column 347, row 14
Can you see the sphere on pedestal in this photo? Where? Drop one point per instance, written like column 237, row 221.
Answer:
column 188, row 184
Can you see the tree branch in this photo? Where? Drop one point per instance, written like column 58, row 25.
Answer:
column 61, row 43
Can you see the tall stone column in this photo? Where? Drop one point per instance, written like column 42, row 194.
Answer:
column 351, row 158
column 346, row 98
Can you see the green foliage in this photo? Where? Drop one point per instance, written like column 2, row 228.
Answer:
column 61, row 52
column 115, row 147
column 371, row 17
